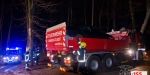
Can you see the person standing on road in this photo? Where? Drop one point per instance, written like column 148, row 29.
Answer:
column 37, row 52
column 27, row 60
column 81, row 52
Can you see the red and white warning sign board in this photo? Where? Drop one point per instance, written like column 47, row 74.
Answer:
column 55, row 37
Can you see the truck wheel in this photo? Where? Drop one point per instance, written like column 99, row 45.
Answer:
column 140, row 56
column 93, row 64
column 108, row 62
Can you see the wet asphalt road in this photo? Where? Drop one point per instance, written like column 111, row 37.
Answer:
column 8, row 67
column 145, row 66
column 135, row 66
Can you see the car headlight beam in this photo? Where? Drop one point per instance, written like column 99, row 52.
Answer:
column 4, row 58
column 130, row 51
column 67, row 58
column 16, row 57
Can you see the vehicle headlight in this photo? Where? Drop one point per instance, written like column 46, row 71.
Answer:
column 16, row 57
column 68, row 58
column 48, row 55
column 4, row 58
column 130, row 51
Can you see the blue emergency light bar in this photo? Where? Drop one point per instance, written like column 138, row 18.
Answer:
column 17, row 48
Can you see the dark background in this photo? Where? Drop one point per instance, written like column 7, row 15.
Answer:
column 58, row 12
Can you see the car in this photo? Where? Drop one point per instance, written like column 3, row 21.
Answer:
column 87, row 32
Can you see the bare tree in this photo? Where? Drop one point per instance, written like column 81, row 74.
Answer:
column 146, row 17
column 35, row 24
column 33, row 19
column 30, row 14
column 10, row 26
column 92, row 23
column 70, row 14
column 108, row 15
column 1, row 25
column 85, row 12
column 132, row 14
column 100, row 14
column 114, row 16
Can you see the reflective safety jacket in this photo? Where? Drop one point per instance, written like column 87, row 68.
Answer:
column 81, row 55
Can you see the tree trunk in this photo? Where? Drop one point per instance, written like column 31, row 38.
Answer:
column 1, row 25
column 114, row 16
column 30, row 13
column 145, row 21
column 108, row 16
column 71, row 14
column 8, row 39
column 85, row 12
column 92, row 13
column 146, row 17
column 68, row 23
column 132, row 14
column 100, row 14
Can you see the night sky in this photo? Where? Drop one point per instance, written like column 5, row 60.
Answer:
column 58, row 12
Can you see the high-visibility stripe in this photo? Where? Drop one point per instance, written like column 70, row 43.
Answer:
column 38, row 54
column 70, row 46
column 78, row 52
column 73, row 52
column 81, row 60
column 27, row 57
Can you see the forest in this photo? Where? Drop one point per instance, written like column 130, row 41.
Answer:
column 17, row 16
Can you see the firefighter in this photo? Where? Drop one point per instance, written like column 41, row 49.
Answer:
column 81, row 52
column 37, row 55
column 27, row 60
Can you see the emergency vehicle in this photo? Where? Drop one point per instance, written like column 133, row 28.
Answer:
column 12, row 55
column 102, row 50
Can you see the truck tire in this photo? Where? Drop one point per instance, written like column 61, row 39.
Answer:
column 93, row 64
column 140, row 56
column 108, row 62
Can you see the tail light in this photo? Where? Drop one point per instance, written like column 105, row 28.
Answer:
column 67, row 61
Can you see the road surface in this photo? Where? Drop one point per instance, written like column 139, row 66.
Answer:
column 42, row 69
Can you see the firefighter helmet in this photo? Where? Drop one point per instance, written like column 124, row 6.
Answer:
column 82, row 44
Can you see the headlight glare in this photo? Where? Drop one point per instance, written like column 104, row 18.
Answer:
column 16, row 57
column 4, row 58
column 48, row 54
column 68, row 58
column 130, row 51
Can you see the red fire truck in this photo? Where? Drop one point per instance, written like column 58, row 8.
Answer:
column 102, row 50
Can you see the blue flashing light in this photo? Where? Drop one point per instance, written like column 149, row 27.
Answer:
column 7, row 48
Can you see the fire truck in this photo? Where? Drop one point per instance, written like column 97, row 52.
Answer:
column 103, row 50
